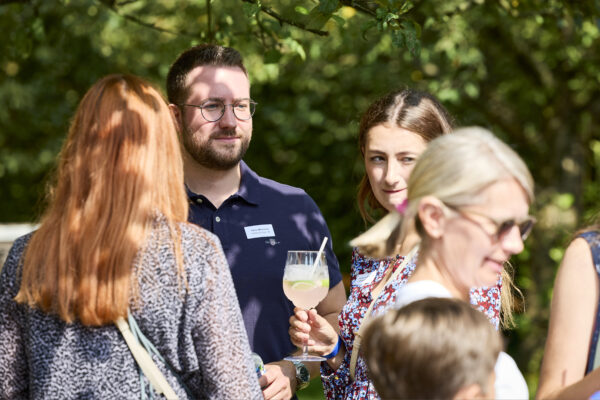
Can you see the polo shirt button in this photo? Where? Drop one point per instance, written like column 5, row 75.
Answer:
column 218, row 219
column 199, row 200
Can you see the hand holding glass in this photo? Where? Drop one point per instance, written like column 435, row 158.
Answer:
column 305, row 283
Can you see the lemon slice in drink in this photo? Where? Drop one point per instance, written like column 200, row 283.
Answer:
column 303, row 285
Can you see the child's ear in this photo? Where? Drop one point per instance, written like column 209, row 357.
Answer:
column 432, row 214
column 472, row 391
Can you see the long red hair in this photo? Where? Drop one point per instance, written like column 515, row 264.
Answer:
column 119, row 169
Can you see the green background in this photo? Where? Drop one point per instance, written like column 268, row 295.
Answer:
column 527, row 70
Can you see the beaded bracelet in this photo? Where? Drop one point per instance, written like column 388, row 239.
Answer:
column 335, row 350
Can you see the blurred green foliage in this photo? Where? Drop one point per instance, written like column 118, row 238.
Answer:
column 527, row 69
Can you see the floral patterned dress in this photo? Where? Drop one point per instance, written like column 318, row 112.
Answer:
column 366, row 274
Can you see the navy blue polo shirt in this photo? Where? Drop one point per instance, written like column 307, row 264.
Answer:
column 257, row 226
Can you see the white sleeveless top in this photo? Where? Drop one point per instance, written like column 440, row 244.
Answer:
column 509, row 383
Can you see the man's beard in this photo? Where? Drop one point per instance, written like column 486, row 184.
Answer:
column 208, row 157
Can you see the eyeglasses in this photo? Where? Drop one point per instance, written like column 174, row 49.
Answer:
column 213, row 109
column 502, row 227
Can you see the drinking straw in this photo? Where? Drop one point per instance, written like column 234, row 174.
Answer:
column 314, row 267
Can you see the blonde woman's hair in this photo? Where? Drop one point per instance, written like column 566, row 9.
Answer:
column 119, row 169
column 454, row 168
column 430, row 349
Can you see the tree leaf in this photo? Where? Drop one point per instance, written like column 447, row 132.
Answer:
column 339, row 20
column 411, row 40
column 250, row 9
column 328, row 6
column 295, row 47
column 317, row 19
column 398, row 38
column 301, row 10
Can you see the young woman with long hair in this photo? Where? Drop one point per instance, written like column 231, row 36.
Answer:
column 393, row 133
column 114, row 244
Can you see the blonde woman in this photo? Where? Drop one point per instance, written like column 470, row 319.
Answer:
column 114, row 241
column 469, row 198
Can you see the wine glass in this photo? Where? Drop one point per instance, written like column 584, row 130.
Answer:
column 305, row 283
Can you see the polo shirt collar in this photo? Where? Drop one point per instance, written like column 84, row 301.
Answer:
column 249, row 186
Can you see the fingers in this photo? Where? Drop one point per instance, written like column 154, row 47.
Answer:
column 263, row 381
column 309, row 328
column 300, row 336
column 300, row 328
column 278, row 389
column 320, row 324
column 315, row 319
column 296, row 323
column 310, row 316
column 301, row 314
column 276, row 384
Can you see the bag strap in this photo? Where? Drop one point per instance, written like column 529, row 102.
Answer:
column 145, row 362
column 374, row 296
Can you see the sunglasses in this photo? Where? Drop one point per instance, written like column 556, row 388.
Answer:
column 502, row 227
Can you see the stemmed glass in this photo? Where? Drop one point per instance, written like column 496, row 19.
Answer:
column 305, row 283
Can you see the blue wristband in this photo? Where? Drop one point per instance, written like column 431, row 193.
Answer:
column 336, row 349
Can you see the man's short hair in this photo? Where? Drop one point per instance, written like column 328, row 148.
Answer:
column 430, row 349
column 197, row 56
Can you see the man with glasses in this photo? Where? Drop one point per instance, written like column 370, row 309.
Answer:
column 257, row 220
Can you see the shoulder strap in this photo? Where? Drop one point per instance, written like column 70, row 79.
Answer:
column 374, row 296
column 593, row 240
column 145, row 362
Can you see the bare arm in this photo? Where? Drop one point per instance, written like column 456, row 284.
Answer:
column 330, row 309
column 572, row 317
column 331, row 306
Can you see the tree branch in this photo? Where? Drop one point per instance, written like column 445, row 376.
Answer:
column 283, row 20
column 362, row 6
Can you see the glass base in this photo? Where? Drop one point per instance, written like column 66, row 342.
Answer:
column 305, row 357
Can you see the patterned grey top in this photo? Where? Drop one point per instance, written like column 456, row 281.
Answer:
column 200, row 332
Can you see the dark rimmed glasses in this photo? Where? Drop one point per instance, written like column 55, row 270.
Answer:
column 213, row 109
column 502, row 227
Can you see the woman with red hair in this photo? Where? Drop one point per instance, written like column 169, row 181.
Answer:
column 114, row 245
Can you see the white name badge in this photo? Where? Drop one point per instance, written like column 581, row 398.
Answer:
column 365, row 279
column 258, row 231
